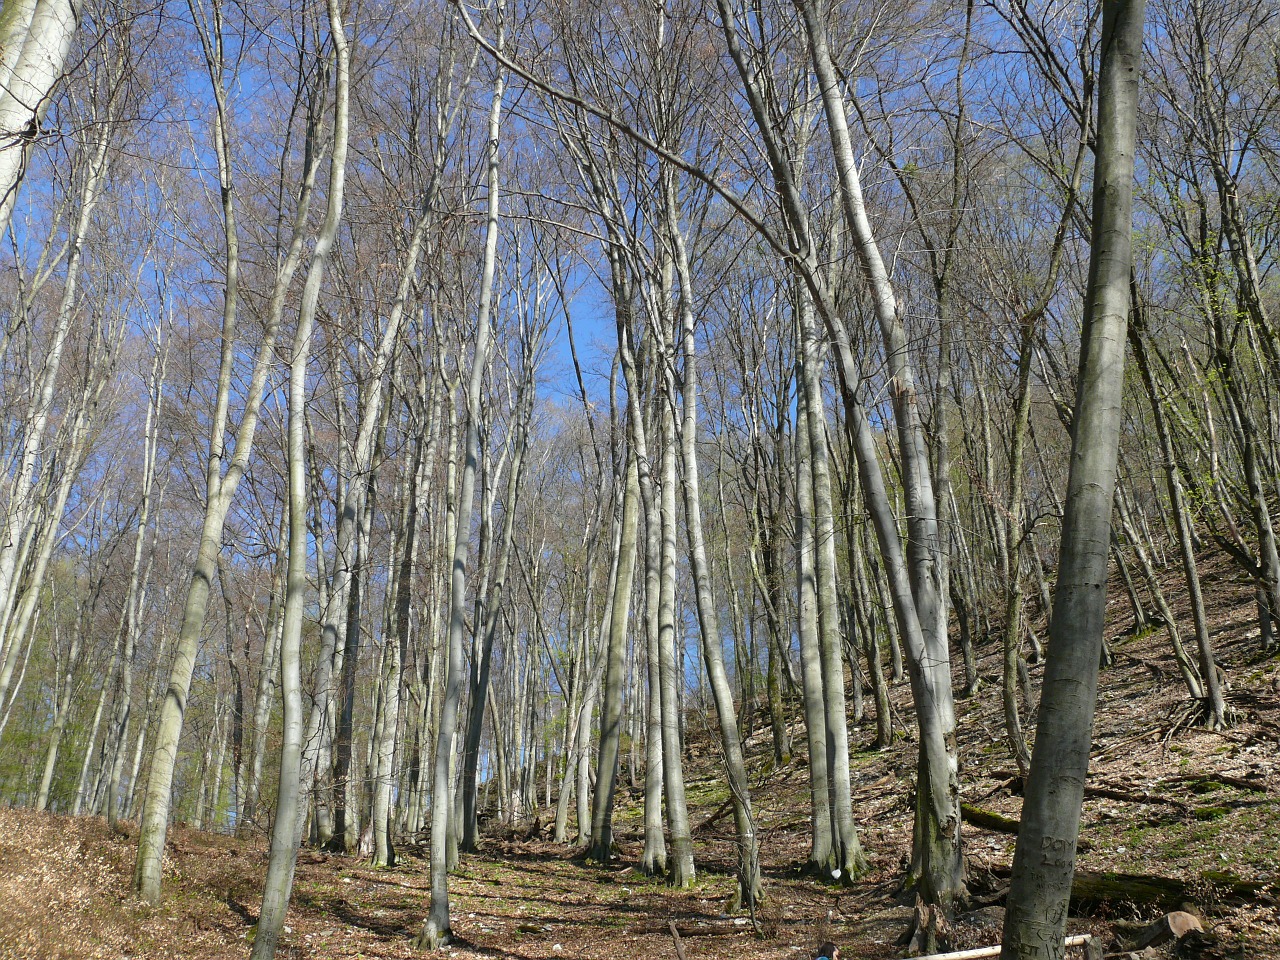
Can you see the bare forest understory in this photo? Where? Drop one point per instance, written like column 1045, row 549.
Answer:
column 1176, row 817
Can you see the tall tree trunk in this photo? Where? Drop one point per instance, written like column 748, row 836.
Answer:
column 1173, row 484
column 615, row 654
column 821, row 846
column 708, row 617
column 1044, row 860
column 268, row 677
column 493, row 607
column 435, row 930
column 847, row 859
column 220, row 485
column 285, row 835
column 680, row 864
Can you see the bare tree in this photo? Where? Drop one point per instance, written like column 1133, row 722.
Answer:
column 1044, row 861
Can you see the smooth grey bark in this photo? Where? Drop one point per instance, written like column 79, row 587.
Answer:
column 748, row 866
column 680, row 862
column 220, row 483
column 653, row 859
column 1173, row 485
column 912, row 574
column 847, row 861
column 113, row 754
column 938, row 846
column 821, row 846
column 1011, row 547
column 62, row 709
column 373, row 425
column 435, row 931
column 285, row 834
column 1150, row 575
column 1044, row 860
column 871, row 639
column 353, row 508
column 17, row 528
column 601, row 847
column 402, row 548
column 268, row 677
column 35, row 38
column 660, row 758
column 491, row 608
column 44, row 526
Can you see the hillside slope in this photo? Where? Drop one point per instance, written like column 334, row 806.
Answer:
column 1199, row 809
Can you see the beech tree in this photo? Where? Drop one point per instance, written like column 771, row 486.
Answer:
column 1044, row 861
column 35, row 39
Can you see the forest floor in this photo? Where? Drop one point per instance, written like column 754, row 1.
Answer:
column 1198, row 808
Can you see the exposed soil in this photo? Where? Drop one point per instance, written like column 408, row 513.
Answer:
column 1166, row 799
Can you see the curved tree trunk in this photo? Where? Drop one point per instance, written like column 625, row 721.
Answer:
column 708, row 618
column 220, row 486
column 285, row 834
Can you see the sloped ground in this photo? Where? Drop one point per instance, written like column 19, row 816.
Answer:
column 1182, row 803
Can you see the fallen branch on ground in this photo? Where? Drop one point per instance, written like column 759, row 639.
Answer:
column 1080, row 940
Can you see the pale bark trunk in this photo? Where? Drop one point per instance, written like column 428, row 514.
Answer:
column 1173, row 484
column 821, row 846
column 436, row 930
column 17, row 531
column 653, row 859
column 615, row 656
column 1044, row 861
column 267, row 679
column 680, row 864
column 918, row 592
column 35, row 38
column 285, row 834
column 220, row 486
column 847, row 861
column 61, row 710
column 118, row 729
column 748, row 866
column 493, row 607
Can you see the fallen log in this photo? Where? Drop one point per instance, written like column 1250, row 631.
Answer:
column 1093, row 888
column 1090, row 888
column 1172, row 926
column 1124, row 796
column 988, row 819
column 716, row 815
column 1239, row 783
column 1092, row 945
column 999, row 823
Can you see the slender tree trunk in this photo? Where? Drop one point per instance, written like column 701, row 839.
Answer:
column 615, row 654
column 680, row 863
column 220, row 486
column 848, row 861
column 435, row 930
column 1173, row 484
column 285, row 834
column 268, row 675
column 493, row 609
column 822, row 846
column 708, row 619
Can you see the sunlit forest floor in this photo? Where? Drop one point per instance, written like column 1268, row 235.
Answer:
column 1199, row 809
